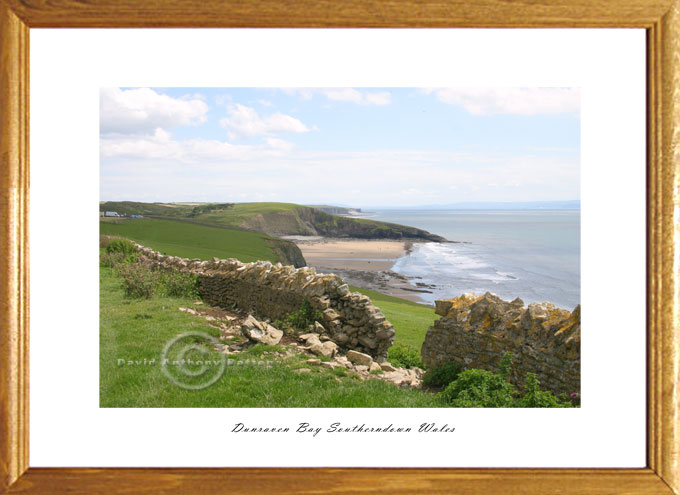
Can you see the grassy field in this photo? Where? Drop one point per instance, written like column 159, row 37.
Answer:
column 410, row 319
column 193, row 241
column 234, row 216
column 133, row 330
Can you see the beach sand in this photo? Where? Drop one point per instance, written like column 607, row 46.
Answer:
column 363, row 263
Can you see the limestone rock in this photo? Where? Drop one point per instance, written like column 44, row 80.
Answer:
column 343, row 361
column 327, row 349
column 387, row 367
column 258, row 331
column 374, row 367
column 359, row 358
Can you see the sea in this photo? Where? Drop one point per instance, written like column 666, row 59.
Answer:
column 531, row 254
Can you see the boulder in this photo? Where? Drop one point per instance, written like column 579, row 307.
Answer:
column 260, row 332
column 313, row 340
column 327, row 349
column 359, row 358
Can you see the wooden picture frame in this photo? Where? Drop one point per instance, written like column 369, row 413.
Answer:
column 660, row 19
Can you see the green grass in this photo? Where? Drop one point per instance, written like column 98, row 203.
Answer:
column 235, row 216
column 135, row 329
column 193, row 241
column 410, row 319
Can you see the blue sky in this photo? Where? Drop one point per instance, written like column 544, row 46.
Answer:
column 348, row 146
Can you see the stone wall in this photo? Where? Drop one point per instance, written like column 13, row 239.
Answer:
column 475, row 332
column 273, row 291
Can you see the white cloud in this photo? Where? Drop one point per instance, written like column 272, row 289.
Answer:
column 141, row 111
column 244, row 122
column 198, row 151
column 516, row 101
column 349, row 95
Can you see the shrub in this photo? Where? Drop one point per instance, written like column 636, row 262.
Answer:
column 535, row 397
column 482, row 388
column 114, row 258
column 442, row 375
column 121, row 246
column 138, row 279
column 479, row 388
column 404, row 356
column 505, row 364
column 303, row 317
column 178, row 284
column 110, row 259
column 104, row 240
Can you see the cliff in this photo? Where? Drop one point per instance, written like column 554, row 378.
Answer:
column 314, row 222
column 475, row 332
column 273, row 218
column 287, row 252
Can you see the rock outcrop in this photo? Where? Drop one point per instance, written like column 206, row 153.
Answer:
column 475, row 332
column 271, row 291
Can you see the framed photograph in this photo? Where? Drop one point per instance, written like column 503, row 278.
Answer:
column 534, row 168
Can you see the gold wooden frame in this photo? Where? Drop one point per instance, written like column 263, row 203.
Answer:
column 660, row 18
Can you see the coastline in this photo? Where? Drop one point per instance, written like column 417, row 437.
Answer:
column 363, row 263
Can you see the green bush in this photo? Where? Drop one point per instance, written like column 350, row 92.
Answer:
column 442, row 375
column 404, row 356
column 535, row 397
column 121, row 246
column 482, row 388
column 178, row 284
column 479, row 388
column 303, row 317
column 110, row 259
column 138, row 279
column 114, row 258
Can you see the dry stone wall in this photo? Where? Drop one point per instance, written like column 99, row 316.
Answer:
column 475, row 332
column 274, row 290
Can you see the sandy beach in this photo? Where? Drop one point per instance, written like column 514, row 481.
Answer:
column 363, row 263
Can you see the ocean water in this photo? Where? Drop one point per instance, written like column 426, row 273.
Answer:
column 532, row 254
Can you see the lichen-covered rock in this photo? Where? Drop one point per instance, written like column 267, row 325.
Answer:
column 475, row 332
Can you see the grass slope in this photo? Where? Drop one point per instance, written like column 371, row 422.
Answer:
column 273, row 219
column 235, row 216
column 410, row 319
column 137, row 329
column 193, row 241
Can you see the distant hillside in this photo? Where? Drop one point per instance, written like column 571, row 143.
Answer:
column 188, row 240
column 274, row 219
column 336, row 210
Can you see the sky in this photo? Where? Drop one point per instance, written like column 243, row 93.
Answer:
column 358, row 147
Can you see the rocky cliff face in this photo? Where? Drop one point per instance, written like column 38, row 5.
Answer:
column 274, row 291
column 475, row 332
column 310, row 221
column 287, row 252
